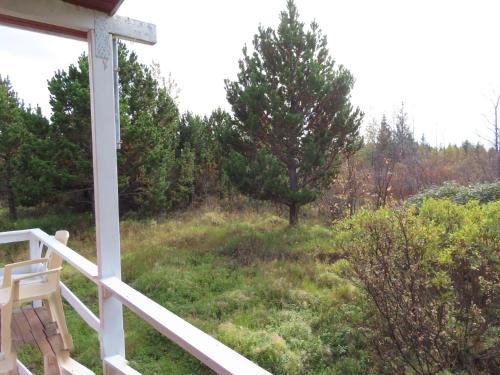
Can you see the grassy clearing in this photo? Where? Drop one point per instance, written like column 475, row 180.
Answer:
column 275, row 294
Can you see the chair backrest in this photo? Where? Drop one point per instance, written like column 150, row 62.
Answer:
column 55, row 261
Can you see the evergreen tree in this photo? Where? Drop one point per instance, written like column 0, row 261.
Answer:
column 37, row 172
column 203, row 137
column 70, row 134
column 220, row 124
column 12, row 133
column 293, row 115
column 186, row 177
column 383, row 162
column 405, row 144
column 149, row 120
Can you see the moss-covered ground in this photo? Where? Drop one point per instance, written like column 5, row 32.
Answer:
column 275, row 294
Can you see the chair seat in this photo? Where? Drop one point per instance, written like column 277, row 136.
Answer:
column 21, row 271
column 31, row 290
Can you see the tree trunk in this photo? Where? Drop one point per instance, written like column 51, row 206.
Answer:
column 294, row 214
column 12, row 204
column 496, row 140
column 294, row 208
column 11, row 197
column 498, row 164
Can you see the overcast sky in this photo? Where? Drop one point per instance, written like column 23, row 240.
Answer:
column 441, row 58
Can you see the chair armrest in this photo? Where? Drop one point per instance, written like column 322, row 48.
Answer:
column 7, row 274
column 26, row 262
column 16, row 282
column 36, row 274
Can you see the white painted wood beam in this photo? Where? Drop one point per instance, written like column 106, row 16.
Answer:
column 72, row 17
column 85, row 313
column 120, row 366
column 105, row 192
column 81, row 263
column 22, row 369
column 15, row 236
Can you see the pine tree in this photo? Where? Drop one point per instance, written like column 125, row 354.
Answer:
column 37, row 172
column 405, row 144
column 294, row 119
column 149, row 120
column 383, row 162
column 12, row 133
column 70, row 134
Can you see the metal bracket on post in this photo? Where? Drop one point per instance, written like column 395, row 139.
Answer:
column 116, row 79
column 102, row 48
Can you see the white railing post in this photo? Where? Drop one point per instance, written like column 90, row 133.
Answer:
column 35, row 252
column 35, row 249
column 105, row 186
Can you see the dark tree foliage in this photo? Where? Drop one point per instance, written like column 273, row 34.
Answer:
column 29, row 173
column 70, row 135
column 383, row 162
column 293, row 115
column 406, row 147
column 163, row 162
column 200, row 154
column 12, row 132
column 220, row 124
column 37, row 171
column 149, row 119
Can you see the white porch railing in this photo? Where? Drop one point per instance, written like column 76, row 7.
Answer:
column 208, row 350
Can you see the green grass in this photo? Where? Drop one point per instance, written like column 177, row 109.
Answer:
column 275, row 294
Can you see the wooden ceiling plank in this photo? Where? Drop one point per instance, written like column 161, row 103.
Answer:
column 44, row 27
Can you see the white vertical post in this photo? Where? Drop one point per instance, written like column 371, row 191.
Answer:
column 35, row 252
column 105, row 187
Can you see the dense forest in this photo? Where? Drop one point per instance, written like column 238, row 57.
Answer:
column 387, row 261
column 170, row 160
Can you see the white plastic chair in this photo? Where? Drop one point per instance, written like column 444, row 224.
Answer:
column 25, row 267
column 13, row 293
column 19, row 287
column 42, row 285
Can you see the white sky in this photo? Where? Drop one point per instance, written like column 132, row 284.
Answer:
column 440, row 57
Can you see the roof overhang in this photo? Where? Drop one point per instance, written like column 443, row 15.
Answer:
column 67, row 19
column 106, row 6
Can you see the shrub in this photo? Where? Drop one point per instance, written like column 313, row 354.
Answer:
column 432, row 280
column 482, row 192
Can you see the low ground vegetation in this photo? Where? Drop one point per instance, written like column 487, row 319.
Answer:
column 308, row 299
column 244, row 276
